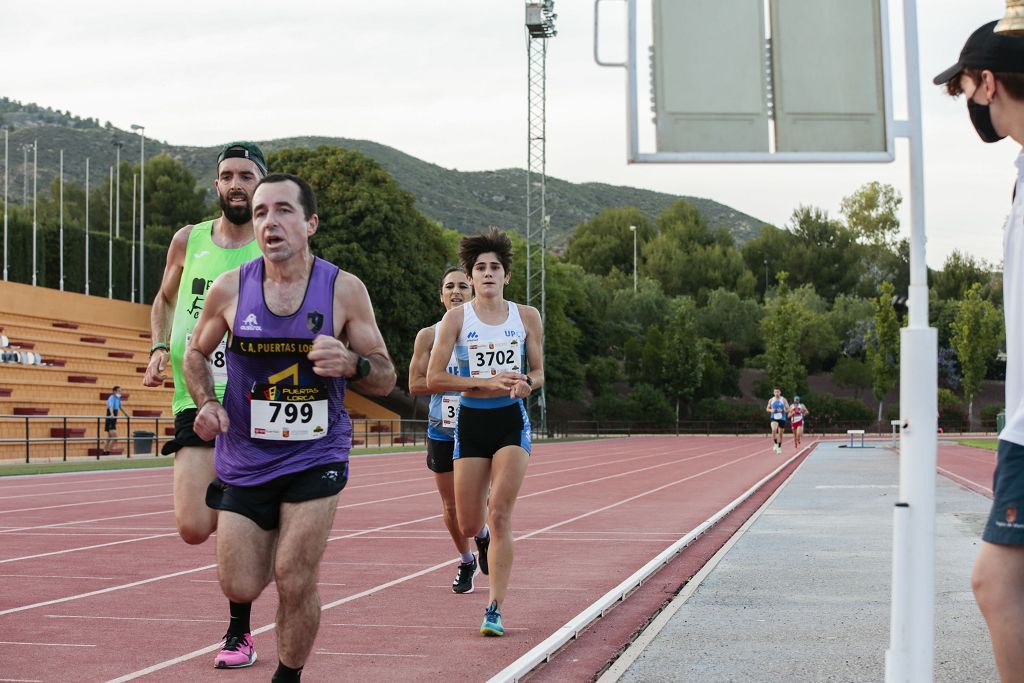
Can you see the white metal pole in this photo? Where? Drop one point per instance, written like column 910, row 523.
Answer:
column 135, row 177
column 142, row 219
column 35, row 187
column 117, row 192
column 61, row 220
column 87, row 225
column 632, row 229
column 912, row 635
column 142, row 211
column 6, row 141
column 110, row 240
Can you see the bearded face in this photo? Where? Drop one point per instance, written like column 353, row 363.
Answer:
column 236, row 205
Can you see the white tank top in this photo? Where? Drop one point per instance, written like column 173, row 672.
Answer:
column 485, row 350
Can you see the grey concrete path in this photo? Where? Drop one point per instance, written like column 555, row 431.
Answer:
column 804, row 593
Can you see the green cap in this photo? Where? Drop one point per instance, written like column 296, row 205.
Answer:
column 243, row 149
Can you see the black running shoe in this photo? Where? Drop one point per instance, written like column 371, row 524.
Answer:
column 463, row 582
column 482, row 544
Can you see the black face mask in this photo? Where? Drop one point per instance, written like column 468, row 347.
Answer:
column 981, row 117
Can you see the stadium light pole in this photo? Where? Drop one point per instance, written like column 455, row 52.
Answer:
column 87, row 225
column 766, row 279
column 24, row 174
column 632, row 229
column 6, row 141
column 117, row 191
column 62, row 220
column 35, row 192
column 110, row 239
column 142, row 208
column 135, row 178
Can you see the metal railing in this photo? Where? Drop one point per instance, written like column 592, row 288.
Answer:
column 144, row 435
column 148, row 433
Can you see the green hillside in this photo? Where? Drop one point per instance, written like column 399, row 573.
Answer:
column 461, row 200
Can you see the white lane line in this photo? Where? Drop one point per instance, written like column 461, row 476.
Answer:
column 366, row 654
column 20, row 680
column 409, row 577
column 65, row 493
column 8, row 642
column 173, row 619
column 109, row 589
column 86, row 547
column 432, row 627
column 319, row 583
column 973, row 483
column 91, row 502
column 9, row 530
column 53, row 576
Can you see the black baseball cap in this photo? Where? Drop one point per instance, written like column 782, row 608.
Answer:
column 244, row 149
column 986, row 49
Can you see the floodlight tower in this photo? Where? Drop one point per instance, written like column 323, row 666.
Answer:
column 540, row 26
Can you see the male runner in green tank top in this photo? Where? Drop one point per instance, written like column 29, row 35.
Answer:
column 197, row 255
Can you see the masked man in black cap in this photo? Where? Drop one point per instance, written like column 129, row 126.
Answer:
column 197, row 255
column 990, row 74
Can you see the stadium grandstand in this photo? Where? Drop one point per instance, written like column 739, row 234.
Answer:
column 61, row 354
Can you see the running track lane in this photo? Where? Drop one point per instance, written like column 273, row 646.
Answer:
column 99, row 587
column 969, row 467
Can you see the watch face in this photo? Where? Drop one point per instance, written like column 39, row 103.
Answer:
column 363, row 367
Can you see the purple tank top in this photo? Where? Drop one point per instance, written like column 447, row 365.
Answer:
column 284, row 417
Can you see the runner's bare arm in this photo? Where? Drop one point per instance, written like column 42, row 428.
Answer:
column 355, row 323
column 418, row 365
column 162, row 312
column 221, row 300
column 534, row 353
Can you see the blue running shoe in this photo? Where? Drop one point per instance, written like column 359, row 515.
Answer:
column 482, row 544
column 492, row 622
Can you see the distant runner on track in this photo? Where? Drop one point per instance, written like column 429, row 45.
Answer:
column 777, row 409
column 797, row 412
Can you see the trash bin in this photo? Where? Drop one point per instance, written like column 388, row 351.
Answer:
column 142, row 442
column 1000, row 420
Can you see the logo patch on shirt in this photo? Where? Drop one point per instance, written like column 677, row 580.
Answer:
column 1011, row 515
column 331, row 475
column 472, row 335
column 250, row 324
column 201, row 254
column 315, row 321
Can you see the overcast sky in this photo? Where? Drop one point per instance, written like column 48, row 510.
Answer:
column 446, row 82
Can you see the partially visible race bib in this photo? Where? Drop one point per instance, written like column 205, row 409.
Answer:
column 449, row 411
column 217, row 360
column 776, row 416
column 487, row 359
column 284, row 412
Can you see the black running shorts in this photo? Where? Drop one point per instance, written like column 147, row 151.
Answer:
column 183, row 434
column 262, row 504
column 482, row 432
column 439, row 455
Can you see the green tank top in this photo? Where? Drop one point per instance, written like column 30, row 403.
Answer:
column 204, row 261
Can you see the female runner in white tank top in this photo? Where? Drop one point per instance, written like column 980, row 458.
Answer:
column 492, row 338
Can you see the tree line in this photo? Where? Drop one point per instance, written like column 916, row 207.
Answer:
column 814, row 296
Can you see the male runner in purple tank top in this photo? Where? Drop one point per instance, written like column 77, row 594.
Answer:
column 300, row 329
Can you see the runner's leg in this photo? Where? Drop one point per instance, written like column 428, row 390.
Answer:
column 304, row 530
column 507, row 473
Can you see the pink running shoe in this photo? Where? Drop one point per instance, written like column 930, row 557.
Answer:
column 238, row 652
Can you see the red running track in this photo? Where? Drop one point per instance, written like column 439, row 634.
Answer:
column 970, row 467
column 97, row 586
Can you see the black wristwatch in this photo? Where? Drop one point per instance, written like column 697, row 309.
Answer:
column 529, row 381
column 362, row 368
